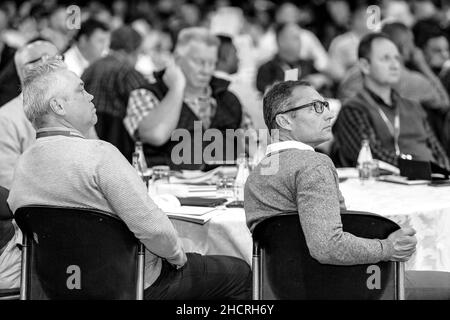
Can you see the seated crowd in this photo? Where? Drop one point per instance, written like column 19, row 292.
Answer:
column 74, row 105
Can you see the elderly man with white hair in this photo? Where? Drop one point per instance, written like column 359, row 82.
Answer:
column 16, row 132
column 182, row 96
column 62, row 168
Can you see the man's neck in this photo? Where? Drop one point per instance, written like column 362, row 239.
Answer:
column 84, row 54
column 190, row 91
column 283, row 137
column 287, row 58
column 383, row 91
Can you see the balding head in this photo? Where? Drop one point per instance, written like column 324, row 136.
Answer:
column 33, row 54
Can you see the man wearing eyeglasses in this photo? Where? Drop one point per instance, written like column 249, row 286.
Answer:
column 294, row 178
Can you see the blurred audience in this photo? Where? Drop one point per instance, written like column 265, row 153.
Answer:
column 394, row 125
column 430, row 37
column 184, row 93
column 91, row 42
column 288, row 57
column 111, row 80
column 421, row 85
column 343, row 49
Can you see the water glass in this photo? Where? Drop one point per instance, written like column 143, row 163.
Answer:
column 225, row 187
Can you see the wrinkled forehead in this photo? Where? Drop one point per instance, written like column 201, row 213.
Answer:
column 303, row 95
column 37, row 50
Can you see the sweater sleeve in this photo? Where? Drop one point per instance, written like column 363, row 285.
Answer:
column 128, row 198
column 318, row 208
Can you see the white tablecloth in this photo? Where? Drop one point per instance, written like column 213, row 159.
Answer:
column 427, row 209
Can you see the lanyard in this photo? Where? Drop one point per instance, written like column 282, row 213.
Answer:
column 394, row 130
column 44, row 134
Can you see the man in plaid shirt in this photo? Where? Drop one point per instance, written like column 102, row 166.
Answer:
column 393, row 124
column 183, row 93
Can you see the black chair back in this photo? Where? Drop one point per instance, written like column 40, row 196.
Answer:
column 287, row 271
column 78, row 254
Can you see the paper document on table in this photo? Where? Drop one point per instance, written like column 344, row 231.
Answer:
column 199, row 215
column 402, row 180
column 291, row 75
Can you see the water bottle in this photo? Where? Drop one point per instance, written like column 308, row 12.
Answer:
column 365, row 162
column 137, row 165
column 241, row 177
column 139, row 149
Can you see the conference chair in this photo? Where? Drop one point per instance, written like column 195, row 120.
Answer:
column 284, row 269
column 10, row 294
column 73, row 253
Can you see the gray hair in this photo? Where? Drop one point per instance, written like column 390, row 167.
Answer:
column 38, row 88
column 194, row 34
column 278, row 99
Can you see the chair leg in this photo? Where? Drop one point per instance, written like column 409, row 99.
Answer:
column 400, row 285
column 141, row 270
column 25, row 280
column 256, row 272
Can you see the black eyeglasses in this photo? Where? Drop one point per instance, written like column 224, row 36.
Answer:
column 319, row 107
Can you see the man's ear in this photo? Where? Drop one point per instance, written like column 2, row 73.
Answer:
column 283, row 121
column 364, row 66
column 57, row 106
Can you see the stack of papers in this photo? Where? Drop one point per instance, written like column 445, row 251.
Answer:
column 173, row 208
column 199, row 215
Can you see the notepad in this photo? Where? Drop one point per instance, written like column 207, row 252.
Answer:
column 199, row 215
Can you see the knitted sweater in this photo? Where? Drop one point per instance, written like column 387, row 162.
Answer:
column 306, row 182
column 92, row 174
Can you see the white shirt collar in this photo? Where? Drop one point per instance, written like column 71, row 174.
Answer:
column 284, row 145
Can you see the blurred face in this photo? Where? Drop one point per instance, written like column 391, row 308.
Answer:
column 96, row 45
column 33, row 55
column 307, row 125
column 288, row 13
column 3, row 20
column 198, row 64
column 77, row 103
column 384, row 65
column 436, row 52
column 289, row 42
column 405, row 41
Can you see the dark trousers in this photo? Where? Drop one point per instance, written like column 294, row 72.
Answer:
column 427, row 285
column 203, row 278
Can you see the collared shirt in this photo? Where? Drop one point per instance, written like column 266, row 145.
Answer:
column 75, row 60
column 16, row 136
column 52, row 131
column 203, row 106
column 284, row 145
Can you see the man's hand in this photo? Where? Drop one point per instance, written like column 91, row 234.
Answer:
column 404, row 242
column 174, row 77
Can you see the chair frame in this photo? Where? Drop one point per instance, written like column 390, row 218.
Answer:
column 27, row 245
column 257, row 273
